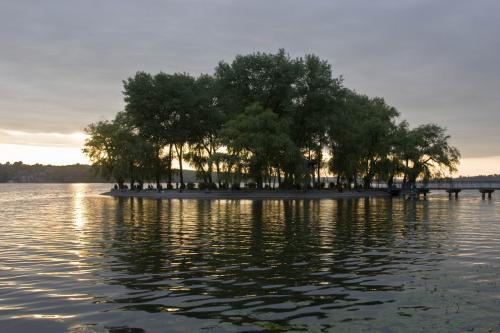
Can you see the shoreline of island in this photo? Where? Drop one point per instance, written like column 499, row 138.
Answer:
column 248, row 194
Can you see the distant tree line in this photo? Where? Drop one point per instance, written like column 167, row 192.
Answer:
column 19, row 172
column 264, row 118
column 479, row 178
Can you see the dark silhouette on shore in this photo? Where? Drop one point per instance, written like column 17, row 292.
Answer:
column 18, row 172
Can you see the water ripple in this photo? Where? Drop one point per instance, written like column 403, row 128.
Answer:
column 73, row 261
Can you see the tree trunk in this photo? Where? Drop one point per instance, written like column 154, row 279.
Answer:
column 217, row 167
column 367, row 181
column 158, row 176
column 319, row 169
column 179, row 156
column 258, row 180
column 210, row 169
column 405, row 176
column 131, row 172
column 158, row 181
column 169, row 165
column 390, row 181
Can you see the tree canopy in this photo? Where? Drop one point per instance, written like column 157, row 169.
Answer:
column 265, row 118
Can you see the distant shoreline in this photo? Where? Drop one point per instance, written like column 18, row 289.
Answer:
column 247, row 194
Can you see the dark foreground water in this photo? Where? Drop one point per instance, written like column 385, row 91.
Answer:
column 73, row 261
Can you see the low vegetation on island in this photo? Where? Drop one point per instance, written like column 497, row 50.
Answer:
column 266, row 119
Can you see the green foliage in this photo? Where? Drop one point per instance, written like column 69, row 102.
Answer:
column 427, row 153
column 361, row 137
column 162, row 108
column 259, row 139
column 266, row 79
column 117, row 151
column 264, row 118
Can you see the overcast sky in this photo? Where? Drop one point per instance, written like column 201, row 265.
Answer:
column 62, row 62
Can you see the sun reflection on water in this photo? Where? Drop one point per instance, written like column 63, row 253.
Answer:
column 89, row 262
column 79, row 209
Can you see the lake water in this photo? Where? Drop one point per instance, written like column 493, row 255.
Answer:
column 74, row 261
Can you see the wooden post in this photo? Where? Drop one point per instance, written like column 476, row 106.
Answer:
column 485, row 191
column 453, row 191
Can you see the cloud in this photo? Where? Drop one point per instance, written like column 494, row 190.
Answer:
column 53, row 140
column 437, row 61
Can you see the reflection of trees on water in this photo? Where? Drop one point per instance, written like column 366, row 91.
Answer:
column 136, row 242
column 239, row 260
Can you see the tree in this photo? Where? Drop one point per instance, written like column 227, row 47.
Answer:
column 116, row 151
column 178, row 112
column 393, row 166
column 207, row 119
column 161, row 107
column 267, row 116
column 143, row 105
column 315, row 102
column 302, row 92
column 361, row 136
column 264, row 78
column 257, row 136
column 376, row 135
column 427, row 153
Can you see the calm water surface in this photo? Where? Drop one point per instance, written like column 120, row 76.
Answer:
column 74, row 261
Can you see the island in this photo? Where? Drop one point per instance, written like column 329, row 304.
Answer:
column 267, row 119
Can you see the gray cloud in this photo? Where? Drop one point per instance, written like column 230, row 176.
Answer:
column 62, row 62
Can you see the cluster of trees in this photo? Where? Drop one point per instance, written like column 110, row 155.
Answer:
column 18, row 172
column 267, row 118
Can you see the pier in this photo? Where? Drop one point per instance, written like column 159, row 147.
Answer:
column 453, row 188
